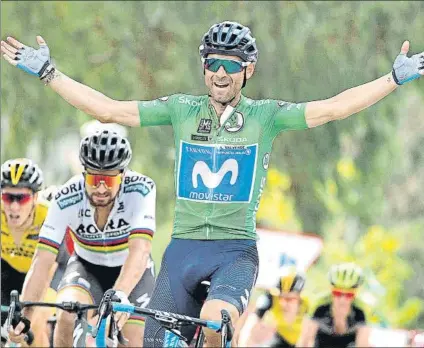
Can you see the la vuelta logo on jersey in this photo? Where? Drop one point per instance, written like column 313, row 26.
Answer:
column 216, row 173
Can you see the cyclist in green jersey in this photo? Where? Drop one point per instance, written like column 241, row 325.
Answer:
column 338, row 319
column 223, row 142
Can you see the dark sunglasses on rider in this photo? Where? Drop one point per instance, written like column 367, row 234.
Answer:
column 110, row 181
column 230, row 66
column 22, row 198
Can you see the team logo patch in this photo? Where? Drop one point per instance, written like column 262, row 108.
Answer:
column 140, row 188
column 199, row 137
column 205, row 126
column 235, row 122
column 71, row 200
column 216, row 173
column 33, row 236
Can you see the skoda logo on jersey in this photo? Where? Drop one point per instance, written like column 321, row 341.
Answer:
column 164, row 99
column 235, row 122
column 216, row 173
column 205, row 125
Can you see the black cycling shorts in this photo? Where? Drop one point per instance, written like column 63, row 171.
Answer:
column 94, row 280
column 231, row 266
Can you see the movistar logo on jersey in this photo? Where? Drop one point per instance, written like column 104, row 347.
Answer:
column 216, row 173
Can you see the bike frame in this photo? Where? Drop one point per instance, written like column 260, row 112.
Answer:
column 172, row 321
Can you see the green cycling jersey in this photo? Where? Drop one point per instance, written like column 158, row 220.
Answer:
column 221, row 163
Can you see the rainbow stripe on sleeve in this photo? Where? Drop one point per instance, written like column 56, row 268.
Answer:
column 144, row 233
column 48, row 244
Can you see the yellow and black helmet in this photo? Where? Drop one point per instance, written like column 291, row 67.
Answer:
column 290, row 279
column 346, row 276
column 21, row 172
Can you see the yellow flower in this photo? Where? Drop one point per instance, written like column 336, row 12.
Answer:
column 390, row 244
column 331, row 187
column 347, row 169
column 275, row 179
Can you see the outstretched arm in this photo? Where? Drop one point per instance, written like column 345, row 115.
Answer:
column 84, row 98
column 361, row 97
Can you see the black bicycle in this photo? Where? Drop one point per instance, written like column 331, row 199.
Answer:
column 81, row 327
column 172, row 322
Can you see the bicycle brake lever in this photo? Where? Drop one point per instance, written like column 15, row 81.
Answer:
column 225, row 316
column 13, row 307
column 105, row 309
column 226, row 320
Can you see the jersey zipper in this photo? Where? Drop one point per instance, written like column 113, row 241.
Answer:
column 214, row 136
column 216, row 133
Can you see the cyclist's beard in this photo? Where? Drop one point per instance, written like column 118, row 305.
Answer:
column 103, row 203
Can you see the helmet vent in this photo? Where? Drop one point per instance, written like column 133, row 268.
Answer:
column 105, row 150
column 102, row 155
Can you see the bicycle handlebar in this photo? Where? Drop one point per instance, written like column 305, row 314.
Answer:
column 16, row 307
column 168, row 320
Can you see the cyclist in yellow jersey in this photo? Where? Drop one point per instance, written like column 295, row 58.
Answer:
column 285, row 307
column 338, row 319
column 22, row 215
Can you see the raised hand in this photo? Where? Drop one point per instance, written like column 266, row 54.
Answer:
column 34, row 62
column 407, row 69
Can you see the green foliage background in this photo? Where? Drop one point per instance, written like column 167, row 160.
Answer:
column 308, row 51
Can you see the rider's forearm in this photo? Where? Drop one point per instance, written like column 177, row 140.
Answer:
column 363, row 336
column 37, row 279
column 247, row 330
column 308, row 333
column 308, row 343
column 361, row 97
column 134, row 266
column 83, row 97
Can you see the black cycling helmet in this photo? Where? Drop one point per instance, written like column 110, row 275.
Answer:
column 105, row 150
column 21, row 172
column 229, row 38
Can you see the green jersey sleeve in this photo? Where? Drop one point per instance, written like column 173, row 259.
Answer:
column 289, row 116
column 158, row 112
